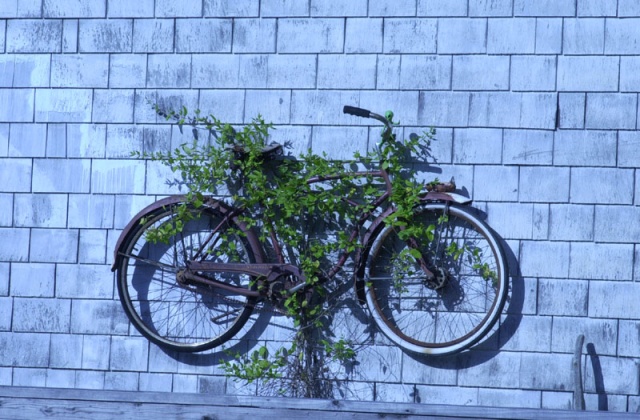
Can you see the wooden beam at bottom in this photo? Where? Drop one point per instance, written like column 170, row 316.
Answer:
column 32, row 403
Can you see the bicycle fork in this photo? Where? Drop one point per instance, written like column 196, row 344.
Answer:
column 436, row 278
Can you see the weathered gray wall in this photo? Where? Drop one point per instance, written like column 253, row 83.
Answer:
column 536, row 105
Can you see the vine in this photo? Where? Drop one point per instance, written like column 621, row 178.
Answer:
column 274, row 189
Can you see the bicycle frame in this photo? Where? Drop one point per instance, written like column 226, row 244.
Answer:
column 270, row 272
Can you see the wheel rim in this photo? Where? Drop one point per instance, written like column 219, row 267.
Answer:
column 170, row 313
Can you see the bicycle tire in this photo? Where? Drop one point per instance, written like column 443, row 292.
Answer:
column 463, row 310
column 186, row 318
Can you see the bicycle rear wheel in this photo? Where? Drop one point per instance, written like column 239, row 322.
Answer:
column 458, row 308
column 173, row 313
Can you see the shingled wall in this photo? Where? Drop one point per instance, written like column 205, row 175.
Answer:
column 536, row 107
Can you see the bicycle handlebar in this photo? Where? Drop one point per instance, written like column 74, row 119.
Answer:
column 358, row 112
column 365, row 113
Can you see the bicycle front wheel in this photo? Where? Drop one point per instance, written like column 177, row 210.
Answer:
column 454, row 310
column 165, row 308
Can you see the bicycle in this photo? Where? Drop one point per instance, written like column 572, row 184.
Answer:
column 182, row 296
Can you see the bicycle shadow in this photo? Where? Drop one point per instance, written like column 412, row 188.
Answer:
column 243, row 344
column 486, row 350
column 481, row 353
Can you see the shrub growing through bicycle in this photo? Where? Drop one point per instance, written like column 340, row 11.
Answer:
column 276, row 197
column 282, row 196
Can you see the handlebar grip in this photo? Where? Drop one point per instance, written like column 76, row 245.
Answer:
column 358, row 112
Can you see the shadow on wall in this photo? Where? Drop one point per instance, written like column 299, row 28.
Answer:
column 487, row 349
column 598, row 378
column 242, row 345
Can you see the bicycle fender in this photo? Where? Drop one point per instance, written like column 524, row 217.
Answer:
column 446, row 196
column 136, row 220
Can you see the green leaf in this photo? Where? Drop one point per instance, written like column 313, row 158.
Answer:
column 415, row 253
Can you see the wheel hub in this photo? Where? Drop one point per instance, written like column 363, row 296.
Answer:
column 181, row 278
column 439, row 279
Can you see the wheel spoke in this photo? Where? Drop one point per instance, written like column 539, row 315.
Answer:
column 154, row 263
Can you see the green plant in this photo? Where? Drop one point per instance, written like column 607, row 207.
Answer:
column 340, row 351
column 233, row 166
column 456, row 251
column 483, row 268
column 257, row 366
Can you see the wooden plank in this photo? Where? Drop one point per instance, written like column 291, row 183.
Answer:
column 18, row 409
column 27, row 403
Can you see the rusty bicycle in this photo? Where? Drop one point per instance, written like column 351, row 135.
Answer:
column 181, row 295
